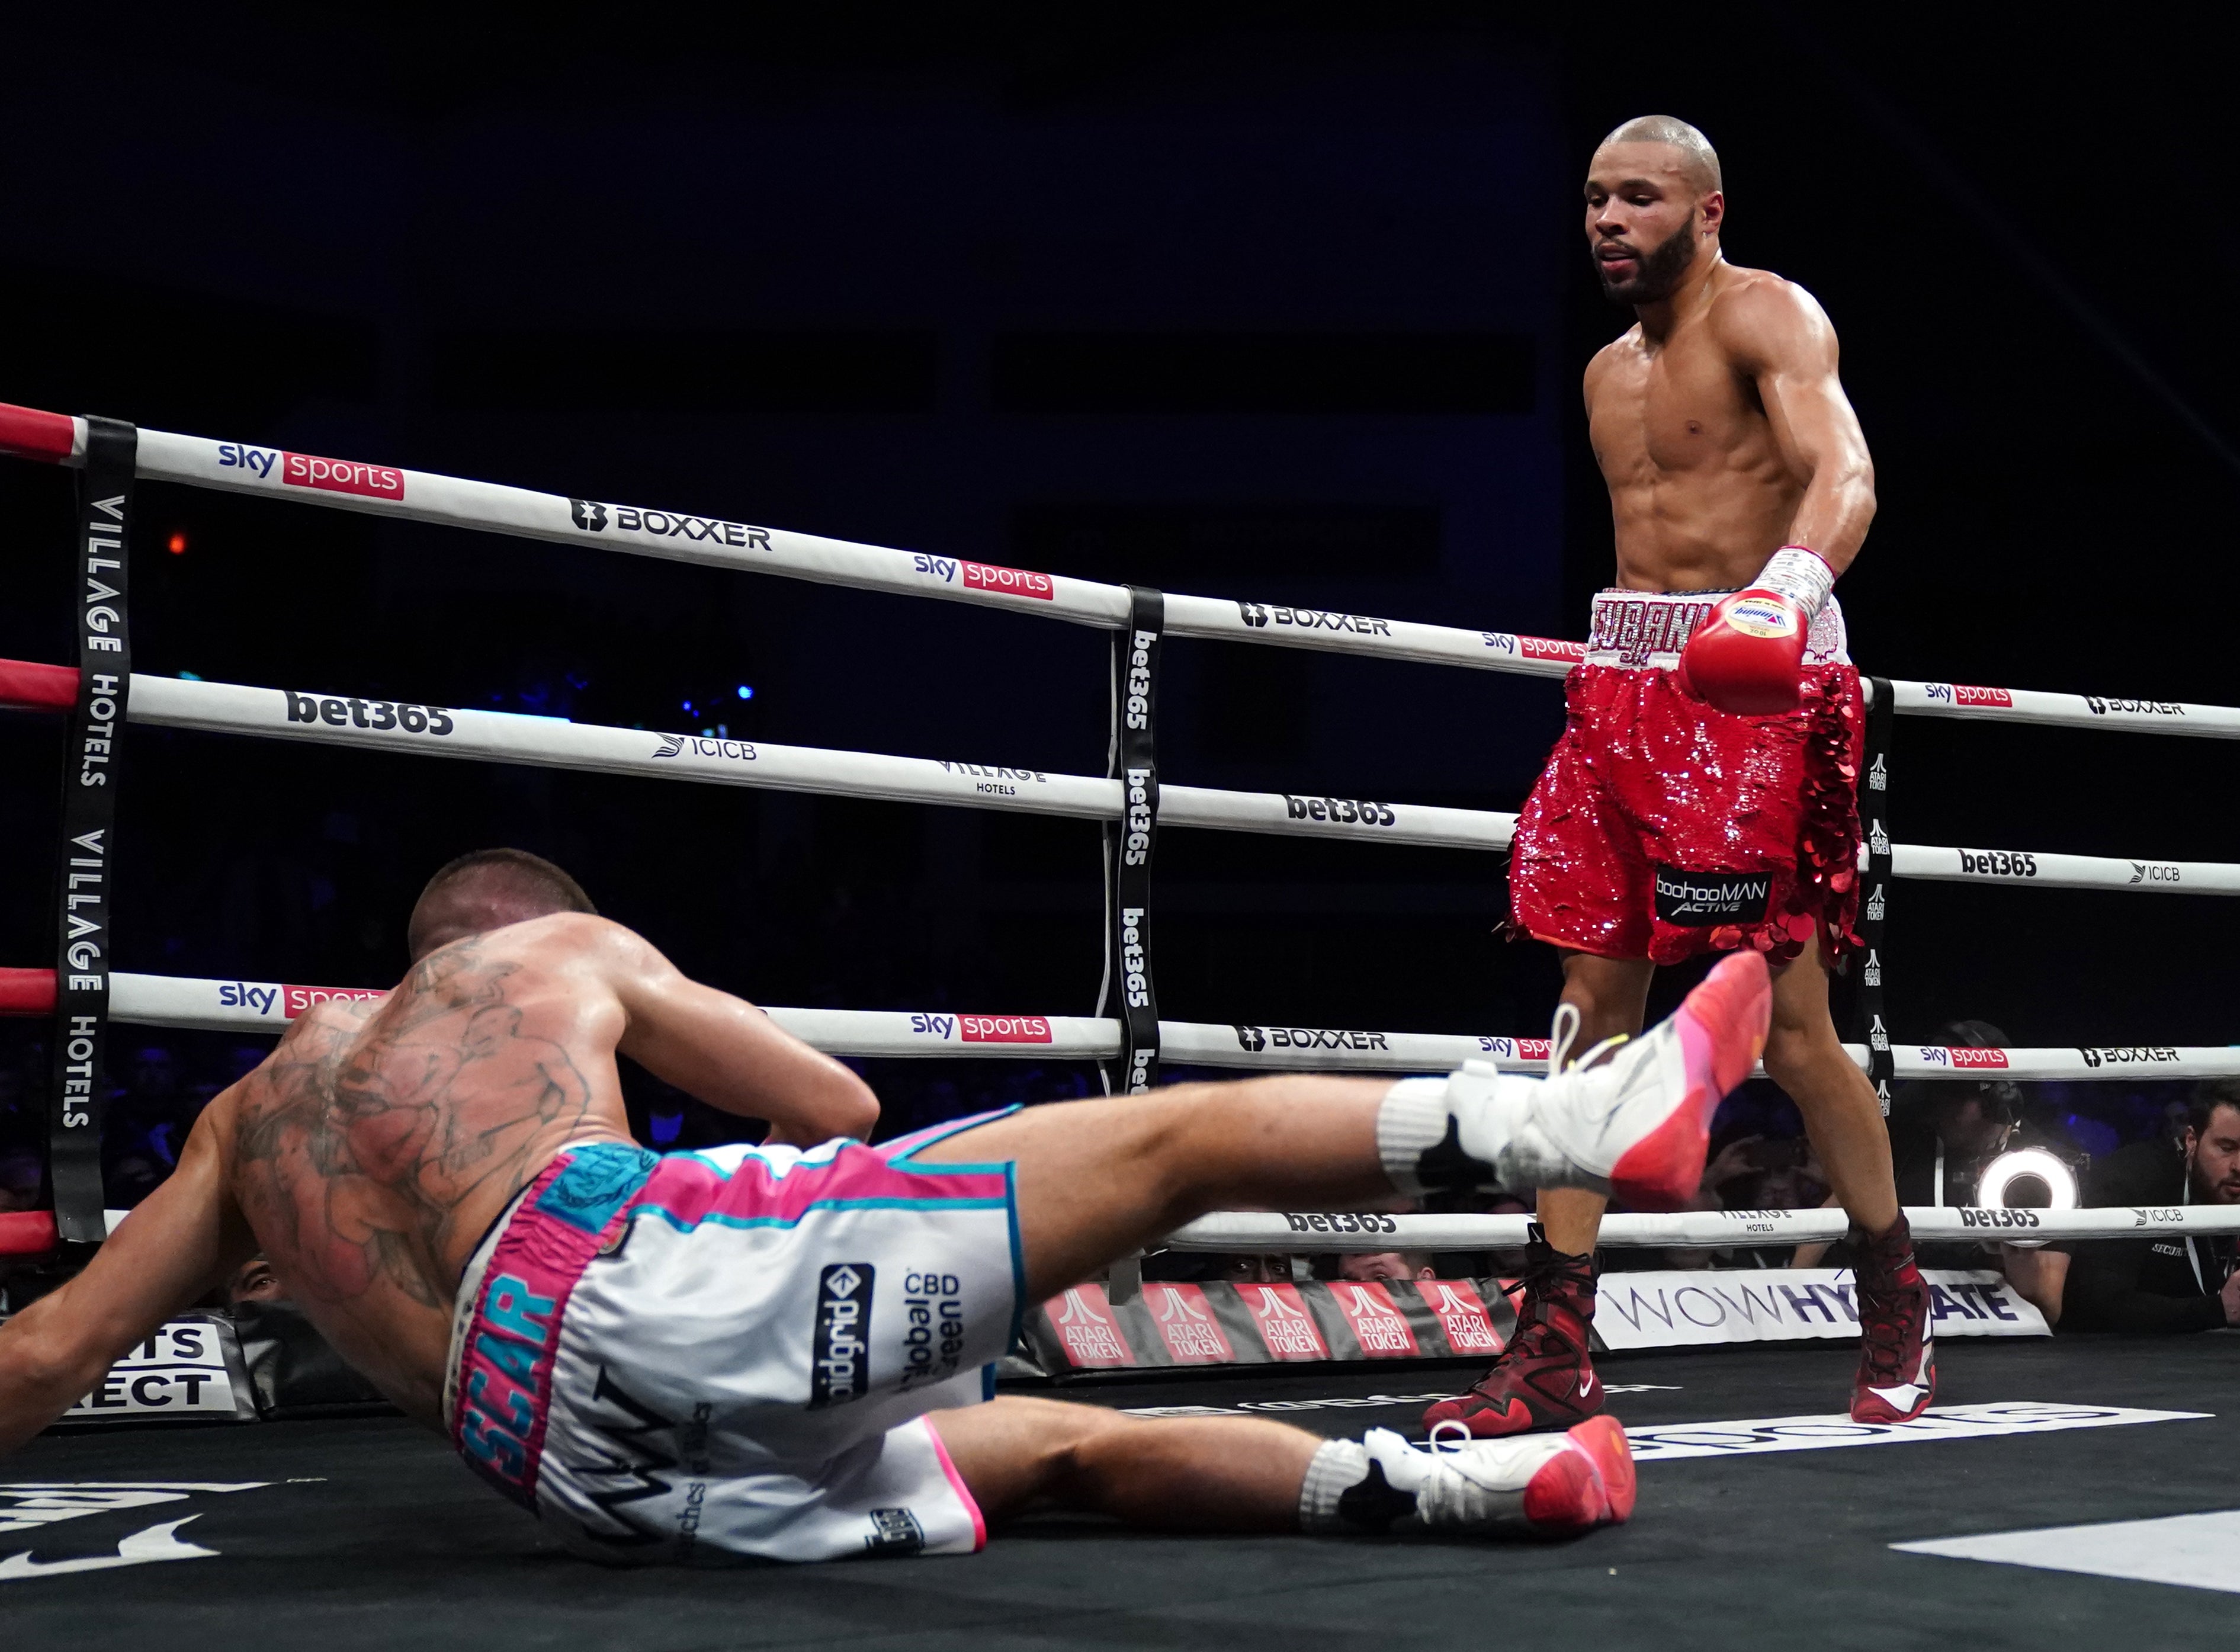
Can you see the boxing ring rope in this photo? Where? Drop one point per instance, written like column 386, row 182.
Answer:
column 121, row 453
column 501, row 736
column 32, row 1232
column 268, row 1006
column 1262, row 1232
column 418, row 495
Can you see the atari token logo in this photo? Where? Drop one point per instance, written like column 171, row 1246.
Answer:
column 590, row 516
column 840, row 1340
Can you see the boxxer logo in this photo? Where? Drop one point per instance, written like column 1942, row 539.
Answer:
column 592, row 517
column 1312, row 619
column 1259, row 1038
column 840, row 1340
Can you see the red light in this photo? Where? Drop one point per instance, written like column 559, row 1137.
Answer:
column 177, row 546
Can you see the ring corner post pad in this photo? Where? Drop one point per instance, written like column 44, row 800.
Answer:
column 1874, row 904
column 85, row 871
column 1128, row 842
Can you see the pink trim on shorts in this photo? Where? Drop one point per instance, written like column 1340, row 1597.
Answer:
column 956, row 1482
column 686, row 1190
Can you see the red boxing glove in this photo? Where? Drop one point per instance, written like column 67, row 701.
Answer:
column 1748, row 656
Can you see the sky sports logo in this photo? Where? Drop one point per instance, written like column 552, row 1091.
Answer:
column 1532, row 648
column 986, row 576
column 1517, row 1048
column 1967, row 693
column 984, row 1029
column 1963, row 1058
column 273, row 997
column 305, row 470
column 840, row 1340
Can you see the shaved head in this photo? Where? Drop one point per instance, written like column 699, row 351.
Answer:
column 1698, row 160
column 488, row 889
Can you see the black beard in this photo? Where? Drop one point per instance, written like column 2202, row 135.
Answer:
column 1657, row 272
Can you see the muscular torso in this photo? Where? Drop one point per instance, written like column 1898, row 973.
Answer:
column 372, row 1151
column 1700, row 495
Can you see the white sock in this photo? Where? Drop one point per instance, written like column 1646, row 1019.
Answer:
column 1337, row 1466
column 1495, row 1139
column 1410, row 1123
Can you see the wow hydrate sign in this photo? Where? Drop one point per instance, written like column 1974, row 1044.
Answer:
column 1789, row 1304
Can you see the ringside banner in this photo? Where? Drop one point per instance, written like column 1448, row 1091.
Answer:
column 189, row 1369
column 1707, row 1309
column 1216, row 1322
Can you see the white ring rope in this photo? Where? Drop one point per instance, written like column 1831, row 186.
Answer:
column 1245, row 1230
column 504, row 736
column 419, row 495
column 225, row 707
column 268, row 1006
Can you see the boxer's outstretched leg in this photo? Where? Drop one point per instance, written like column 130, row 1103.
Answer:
column 1249, row 1474
column 1097, row 1179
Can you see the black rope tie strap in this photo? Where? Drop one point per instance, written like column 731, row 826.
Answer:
column 1874, row 904
column 1128, row 842
column 86, row 880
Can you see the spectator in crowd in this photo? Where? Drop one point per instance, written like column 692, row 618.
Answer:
column 2171, row 1283
column 1247, row 1269
column 254, row 1282
column 1754, row 1172
column 20, row 1171
column 1386, row 1264
column 1944, row 1133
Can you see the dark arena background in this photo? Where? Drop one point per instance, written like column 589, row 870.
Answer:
column 1280, row 303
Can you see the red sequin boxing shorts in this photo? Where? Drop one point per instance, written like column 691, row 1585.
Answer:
column 1662, row 828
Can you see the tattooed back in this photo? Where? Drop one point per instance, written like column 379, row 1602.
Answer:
column 373, row 1150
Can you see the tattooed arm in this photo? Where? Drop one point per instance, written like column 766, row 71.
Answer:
column 183, row 1240
column 729, row 1054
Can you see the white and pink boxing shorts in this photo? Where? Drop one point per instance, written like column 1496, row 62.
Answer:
column 731, row 1353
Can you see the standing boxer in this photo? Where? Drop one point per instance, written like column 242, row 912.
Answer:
column 1701, row 799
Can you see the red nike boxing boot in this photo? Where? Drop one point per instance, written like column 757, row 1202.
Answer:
column 1897, row 1363
column 1544, row 1378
